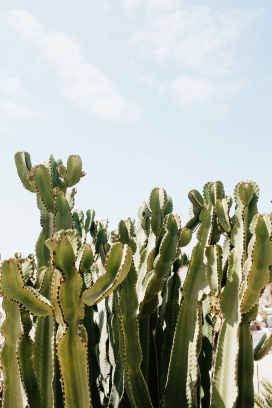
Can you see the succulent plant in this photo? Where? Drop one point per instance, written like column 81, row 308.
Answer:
column 114, row 323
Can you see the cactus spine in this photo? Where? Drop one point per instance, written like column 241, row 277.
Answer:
column 115, row 325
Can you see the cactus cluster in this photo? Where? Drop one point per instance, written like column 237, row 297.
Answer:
column 105, row 320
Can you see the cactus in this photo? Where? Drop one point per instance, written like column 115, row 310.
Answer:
column 114, row 323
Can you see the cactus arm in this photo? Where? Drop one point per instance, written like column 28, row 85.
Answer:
column 94, row 369
column 43, row 184
column 90, row 214
column 193, row 223
column 42, row 252
column 70, row 345
column 263, row 347
column 122, row 235
column 78, row 218
column 164, row 259
column 23, row 165
column 170, row 318
column 256, row 269
column 157, row 204
column 117, row 389
column 245, row 368
column 55, row 287
column 185, row 237
column 196, row 199
column 118, row 384
column 224, row 386
column 214, row 268
column 102, row 350
column 222, row 209
column 85, row 258
column 205, row 357
column 56, row 181
column 25, row 350
column 43, row 358
column 74, row 171
column 147, row 258
column 43, row 352
column 12, row 330
column 117, row 267
column 72, row 354
column 63, row 219
column 134, row 381
column 14, row 288
column 182, row 364
column 153, row 373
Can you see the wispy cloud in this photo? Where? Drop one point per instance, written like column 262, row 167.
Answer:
column 10, row 110
column 190, row 35
column 152, row 4
column 190, row 91
column 131, row 4
column 12, row 86
column 199, row 46
column 82, row 81
column 144, row 78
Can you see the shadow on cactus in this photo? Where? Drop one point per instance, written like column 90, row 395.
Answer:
column 105, row 319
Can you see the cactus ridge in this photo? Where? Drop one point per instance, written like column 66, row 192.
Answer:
column 115, row 325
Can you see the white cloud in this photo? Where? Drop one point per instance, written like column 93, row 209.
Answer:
column 189, row 35
column 189, row 90
column 166, row 4
column 10, row 110
column 11, row 87
column 144, row 78
column 198, row 47
column 83, row 82
column 130, row 4
column 153, row 4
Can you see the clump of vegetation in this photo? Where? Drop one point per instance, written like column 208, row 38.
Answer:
column 114, row 323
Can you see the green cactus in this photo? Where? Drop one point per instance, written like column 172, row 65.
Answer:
column 249, row 257
column 114, row 323
column 183, row 374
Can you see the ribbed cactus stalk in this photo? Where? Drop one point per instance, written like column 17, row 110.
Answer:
column 114, row 324
column 183, row 374
column 247, row 275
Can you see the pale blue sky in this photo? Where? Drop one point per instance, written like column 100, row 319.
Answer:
column 149, row 93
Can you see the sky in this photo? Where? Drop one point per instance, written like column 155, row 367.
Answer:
column 150, row 93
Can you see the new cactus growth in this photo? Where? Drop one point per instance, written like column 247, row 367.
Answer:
column 114, row 323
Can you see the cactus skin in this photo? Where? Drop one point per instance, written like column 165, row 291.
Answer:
column 250, row 238
column 13, row 395
column 205, row 356
column 263, row 347
column 170, row 317
column 14, row 288
column 183, row 369
column 71, row 341
column 118, row 313
column 135, row 384
column 25, row 350
column 116, row 267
